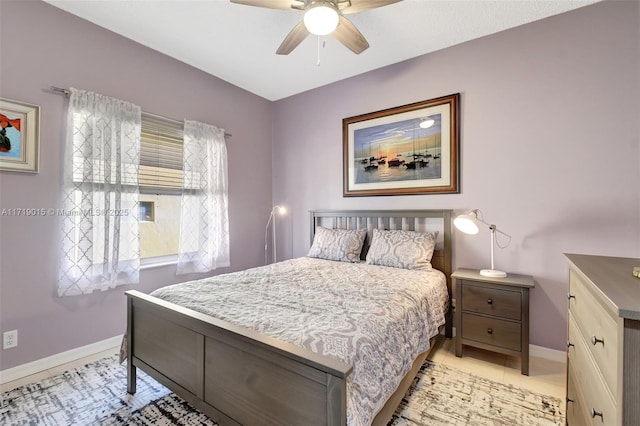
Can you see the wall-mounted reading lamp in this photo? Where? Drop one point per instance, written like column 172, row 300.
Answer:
column 468, row 223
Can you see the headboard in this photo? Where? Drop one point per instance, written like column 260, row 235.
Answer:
column 410, row 220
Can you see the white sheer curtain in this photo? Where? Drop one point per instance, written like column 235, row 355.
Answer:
column 204, row 219
column 100, row 238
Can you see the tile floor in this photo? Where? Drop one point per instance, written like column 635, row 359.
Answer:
column 545, row 376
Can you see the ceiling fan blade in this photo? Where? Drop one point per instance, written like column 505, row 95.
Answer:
column 270, row 4
column 347, row 34
column 293, row 39
column 361, row 5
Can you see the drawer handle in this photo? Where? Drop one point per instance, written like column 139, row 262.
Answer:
column 570, row 296
column 490, row 301
column 570, row 400
column 570, row 345
column 595, row 341
column 595, row 413
column 490, row 330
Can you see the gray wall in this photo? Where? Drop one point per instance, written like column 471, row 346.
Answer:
column 43, row 46
column 549, row 146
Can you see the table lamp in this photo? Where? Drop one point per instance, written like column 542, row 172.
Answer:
column 468, row 223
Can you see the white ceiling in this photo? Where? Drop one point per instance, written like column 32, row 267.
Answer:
column 237, row 43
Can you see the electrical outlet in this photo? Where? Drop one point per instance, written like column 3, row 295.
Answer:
column 10, row 339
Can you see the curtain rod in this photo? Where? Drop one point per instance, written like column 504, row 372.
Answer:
column 67, row 93
column 61, row 90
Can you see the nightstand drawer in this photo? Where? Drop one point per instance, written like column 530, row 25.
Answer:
column 492, row 331
column 491, row 301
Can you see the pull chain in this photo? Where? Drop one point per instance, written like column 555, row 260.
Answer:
column 323, row 44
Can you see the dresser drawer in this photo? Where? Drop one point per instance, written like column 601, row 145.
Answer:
column 588, row 379
column 492, row 331
column 597, row 327
column 594, row 404
column 491, row 301
column 576, row 410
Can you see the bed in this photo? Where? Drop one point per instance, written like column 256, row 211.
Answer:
column 240, row 372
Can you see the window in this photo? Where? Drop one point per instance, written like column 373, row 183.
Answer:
column 160, row 186
column 160, row 156
column 147, row 211
column 203, row 233
column 120, row 161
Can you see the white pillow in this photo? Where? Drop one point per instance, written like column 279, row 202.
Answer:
column 344, row 245
column 402, row 249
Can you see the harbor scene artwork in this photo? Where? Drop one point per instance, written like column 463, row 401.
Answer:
column 404, row 150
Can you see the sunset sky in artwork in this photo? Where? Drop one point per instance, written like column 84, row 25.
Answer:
column 400, row 136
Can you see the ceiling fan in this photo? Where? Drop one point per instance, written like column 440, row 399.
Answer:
column 322, row 17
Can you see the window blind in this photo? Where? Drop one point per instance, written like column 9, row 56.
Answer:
column 160, row 155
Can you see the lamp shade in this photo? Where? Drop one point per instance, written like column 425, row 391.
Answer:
column 321, row 20
column 467, row 223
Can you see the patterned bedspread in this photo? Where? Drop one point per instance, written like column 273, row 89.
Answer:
column 375, row 318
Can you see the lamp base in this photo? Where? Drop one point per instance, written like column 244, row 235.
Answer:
column 493, row 273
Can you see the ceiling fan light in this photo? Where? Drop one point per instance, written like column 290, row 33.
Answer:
column 321, row 20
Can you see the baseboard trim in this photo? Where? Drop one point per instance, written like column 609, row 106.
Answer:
column 548, row 353
column 24, row 370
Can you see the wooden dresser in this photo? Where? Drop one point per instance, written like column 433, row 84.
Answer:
column 603, row 351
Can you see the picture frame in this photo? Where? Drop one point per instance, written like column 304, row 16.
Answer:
column 406, row 150
column 19, row 136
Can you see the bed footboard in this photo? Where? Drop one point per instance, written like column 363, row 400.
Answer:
column 234, row 375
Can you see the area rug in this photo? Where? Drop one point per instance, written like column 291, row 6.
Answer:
column 95, row 394
column 441, row 395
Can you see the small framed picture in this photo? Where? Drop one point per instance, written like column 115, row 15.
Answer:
column 19, row 136
column 406, row 150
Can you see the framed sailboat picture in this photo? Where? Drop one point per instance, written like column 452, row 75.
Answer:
column 406, row 150
column 19, row 136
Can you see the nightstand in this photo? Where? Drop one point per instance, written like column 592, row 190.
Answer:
column 493, row 313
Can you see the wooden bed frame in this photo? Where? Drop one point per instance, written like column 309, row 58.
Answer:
column 238, row 376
